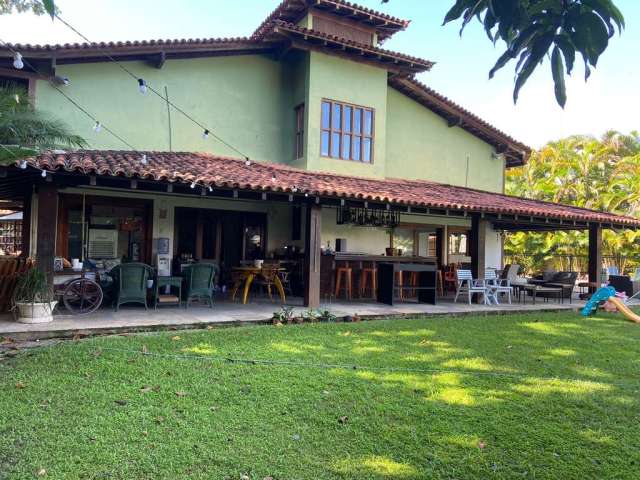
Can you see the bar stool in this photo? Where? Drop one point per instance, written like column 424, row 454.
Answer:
column 344, row 273
column 400, row 283
column 369, row 274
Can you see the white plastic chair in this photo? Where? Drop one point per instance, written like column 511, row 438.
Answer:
column 496, row 285
column 465, row 283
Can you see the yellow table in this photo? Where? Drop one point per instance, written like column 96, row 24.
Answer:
column 247, row 275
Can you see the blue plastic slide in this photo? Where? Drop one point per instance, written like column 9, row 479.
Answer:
column 602, row 295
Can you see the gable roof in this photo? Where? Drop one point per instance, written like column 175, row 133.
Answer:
column 516, row 153
column 277, row 34
column 232, row 173
column 308, row 38
column 292, row 11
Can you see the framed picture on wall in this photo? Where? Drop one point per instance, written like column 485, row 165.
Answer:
column 163, row 246
column 58, row 264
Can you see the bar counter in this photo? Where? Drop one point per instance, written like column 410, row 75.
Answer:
column 356, row 261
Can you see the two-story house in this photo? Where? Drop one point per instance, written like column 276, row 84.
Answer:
column 311, row 137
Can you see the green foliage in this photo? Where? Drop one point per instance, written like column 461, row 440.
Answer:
column 25, row 131
column 599, row 174
column 533, row 29
column 36, row 6
column 537, row 396
column 33, row 287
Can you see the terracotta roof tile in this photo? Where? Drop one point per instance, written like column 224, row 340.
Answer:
column 27, row 47
column 226, row 172
column 299, row 8
column 290, row 27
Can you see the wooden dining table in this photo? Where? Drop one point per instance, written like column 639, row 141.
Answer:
column 246, row 275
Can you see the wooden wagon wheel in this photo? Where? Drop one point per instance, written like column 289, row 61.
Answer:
column 82, row 296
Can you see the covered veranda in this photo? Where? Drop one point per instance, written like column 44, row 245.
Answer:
column 296, row 206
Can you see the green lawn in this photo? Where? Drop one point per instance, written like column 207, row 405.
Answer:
column 537, row 396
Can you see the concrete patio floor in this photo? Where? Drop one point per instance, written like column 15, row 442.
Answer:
column 134, row 318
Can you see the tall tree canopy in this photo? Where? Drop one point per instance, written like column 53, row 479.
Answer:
column 36, row 6
column 533, row 29
column 600, row 174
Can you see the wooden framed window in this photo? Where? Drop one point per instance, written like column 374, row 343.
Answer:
column 347, row 131
column 299, row 146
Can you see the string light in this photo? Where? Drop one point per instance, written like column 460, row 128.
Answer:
column 60, row 80
column 97, row 127
column 23, row 164
column 17, row 61
column 273, row 178
column 205, row 134
column 210, row 188
column 143, row 160
column 67, row 97
column 44, row 174
column 142, row 86
column 247, row 162
column 193, row 185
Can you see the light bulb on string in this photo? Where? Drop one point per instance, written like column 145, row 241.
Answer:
column 23, row 164
column 44, row 174
column 193, row 185
column 17, row 61
column 142, row 85
column 273, row 178
column 210, row 188
column 97, row 127
column 143, row 160
column 247, row 161
column 205, row 134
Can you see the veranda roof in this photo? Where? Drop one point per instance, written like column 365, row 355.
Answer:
column 207, row 170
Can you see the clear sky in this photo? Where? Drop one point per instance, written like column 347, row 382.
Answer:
column 609, row 100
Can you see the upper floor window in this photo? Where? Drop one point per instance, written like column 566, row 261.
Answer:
column 299, row 146
column 347, row 131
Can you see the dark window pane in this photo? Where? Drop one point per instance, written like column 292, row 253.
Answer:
column 326, row 114
column 357, row 120
column 356, row 148
column 324, row 144
column 366, row 154
column 347, row 118
column 337, row 117
column 368, row 122
column 335, row 145
column 346, row 147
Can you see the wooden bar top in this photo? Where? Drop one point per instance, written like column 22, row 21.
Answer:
column 358, row 257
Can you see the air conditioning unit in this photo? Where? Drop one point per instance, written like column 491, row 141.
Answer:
column 103, row 243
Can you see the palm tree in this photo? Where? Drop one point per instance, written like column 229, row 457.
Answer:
column 24, row 131
column 601, row 174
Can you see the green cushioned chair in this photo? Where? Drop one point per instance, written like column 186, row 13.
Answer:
column 199, row 282
column 130, row 282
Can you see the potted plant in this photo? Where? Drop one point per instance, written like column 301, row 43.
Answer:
column 33, row 297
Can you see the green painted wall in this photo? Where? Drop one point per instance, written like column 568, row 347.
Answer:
column 246, row 100
column 346, row 81
column 420, row 145
column 249, row 101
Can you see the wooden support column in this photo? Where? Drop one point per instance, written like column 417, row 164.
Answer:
column 477, row 247
column 26, row 224
column 312, row 256
column 46, row 230
column 595, row 253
